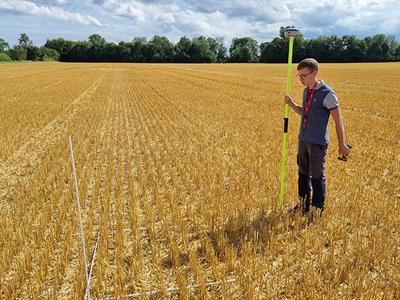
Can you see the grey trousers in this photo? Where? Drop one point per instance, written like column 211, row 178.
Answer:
column 311, row 159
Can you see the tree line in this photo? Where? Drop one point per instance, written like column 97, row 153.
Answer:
column 159, row 49
column 25, row 50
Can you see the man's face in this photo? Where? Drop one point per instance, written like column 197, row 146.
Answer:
column 307, row 76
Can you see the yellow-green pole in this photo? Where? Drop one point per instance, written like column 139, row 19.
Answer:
column 286, row 123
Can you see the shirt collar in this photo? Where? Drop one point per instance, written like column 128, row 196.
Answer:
column 320, row 84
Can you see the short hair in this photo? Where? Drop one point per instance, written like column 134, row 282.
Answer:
column 309, row 63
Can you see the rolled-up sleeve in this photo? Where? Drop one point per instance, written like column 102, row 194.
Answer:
column 331, row 101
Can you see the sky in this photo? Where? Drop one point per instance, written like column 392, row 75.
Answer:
column 122, row 20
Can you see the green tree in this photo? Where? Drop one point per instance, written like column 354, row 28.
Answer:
column 206, row 49
column 217, row 46
column 244, row 50
column 277, row 49
column 378, row 48
column 123, row 52
column 397, row 54
column 97, row 51
column 4, row 46
column 47, row 54
column 4, row 57
column 353, row 49
column 24, row 40
column 62, row 46
column 182, row 50
column 201, row 52
column 32, row 53
column 159, row 49
column 393, row 45
column 274, row 51
column 18, row 53
column 79, row 52
column 321, row 48
column 97, row 40
column 137, row 48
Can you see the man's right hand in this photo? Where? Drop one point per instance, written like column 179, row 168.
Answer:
column 294, row 106
column 288, row 100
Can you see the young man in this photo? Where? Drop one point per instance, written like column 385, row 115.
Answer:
column 319, row 102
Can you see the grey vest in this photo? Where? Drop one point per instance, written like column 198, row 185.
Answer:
column 316, row 130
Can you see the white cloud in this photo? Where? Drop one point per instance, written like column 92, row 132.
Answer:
column 55, row 12
column 257, row 18
column 268, row 11
column 50, row 2
column 140, row 11
column 260, row 19
column 390, row 25
column 354, row 16
column 167, row 17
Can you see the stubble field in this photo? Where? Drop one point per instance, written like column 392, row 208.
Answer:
column 178, row 169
